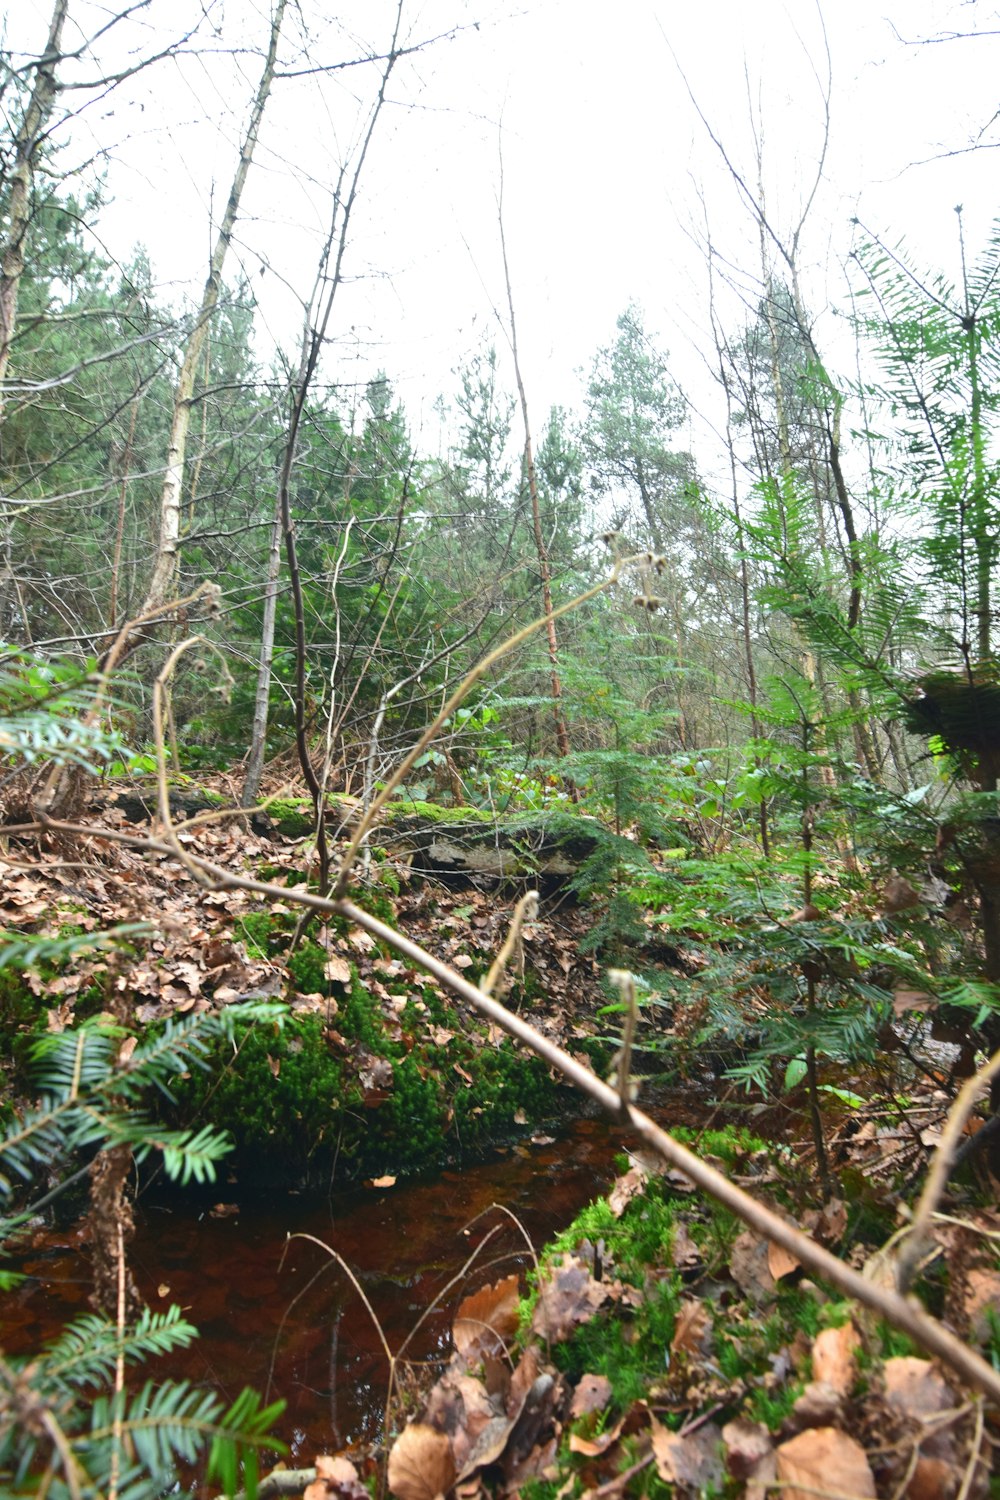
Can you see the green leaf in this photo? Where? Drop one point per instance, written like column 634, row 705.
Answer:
column 794, row 1073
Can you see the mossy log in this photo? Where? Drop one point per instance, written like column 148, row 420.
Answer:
column 450, row 840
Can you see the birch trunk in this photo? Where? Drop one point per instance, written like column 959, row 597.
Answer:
column 19, row 214
column 162, row 582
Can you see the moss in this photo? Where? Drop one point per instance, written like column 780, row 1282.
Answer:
column 281, row 1095
column 292, row 816
column 433, row 812
column 731, row 1146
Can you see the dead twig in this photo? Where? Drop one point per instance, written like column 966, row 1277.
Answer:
column 917, row 1241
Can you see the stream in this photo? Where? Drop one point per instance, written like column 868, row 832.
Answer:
column 279, row 1313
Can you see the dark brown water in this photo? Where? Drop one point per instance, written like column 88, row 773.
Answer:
column 279, row 1313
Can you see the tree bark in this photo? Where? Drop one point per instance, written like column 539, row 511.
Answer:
column 162, row 582
column 26, row 146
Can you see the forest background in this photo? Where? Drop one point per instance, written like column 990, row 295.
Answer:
column 774, row 713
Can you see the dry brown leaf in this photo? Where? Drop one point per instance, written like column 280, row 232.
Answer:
column 899, row 895
column 693, row 1323
column 336, row 1479
column 693, row 1460
column 683, row 1251
column 486, row 1321
column 338, row 969
column 591, row 1447
column 827, row 1460
column 748, row 1266
column 781, row 1262
column 421, row 1464
column 749, row 1449
column 833, row 1357
column 904, row 1000
column 568, row 1297
column 880, row 1270
column 489, row 1445
column 820, row 1405
column 593, row 1393
column 625, row 1189
column 189, row 975
column 914, row 1387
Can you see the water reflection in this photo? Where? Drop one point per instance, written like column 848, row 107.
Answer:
column 276, row 1310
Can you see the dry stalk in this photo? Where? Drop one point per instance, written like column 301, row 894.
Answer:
column 526, row 910
column 918, row 1238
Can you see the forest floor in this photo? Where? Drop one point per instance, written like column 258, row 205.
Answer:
column 661, row 1349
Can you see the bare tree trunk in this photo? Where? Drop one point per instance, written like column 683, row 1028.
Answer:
column 544, row 569
column 22, row 174
column 19, row 213
column 328, row 281
column 262, row 695
column 126, row 464
column 161, row 583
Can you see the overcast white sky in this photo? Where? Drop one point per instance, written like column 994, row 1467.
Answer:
column 609, row 175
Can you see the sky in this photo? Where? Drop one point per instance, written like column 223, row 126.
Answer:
column 612, row 183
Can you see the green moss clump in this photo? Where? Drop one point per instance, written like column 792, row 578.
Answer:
column 292, row 816
column 433, row 812
column 629, row 1353
column 281, row 1096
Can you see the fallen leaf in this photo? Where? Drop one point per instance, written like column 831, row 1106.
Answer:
column 748, row 1266
column 914, row 1387
column 824, row 1460
column 683, row 1250
column 591, row 1447
column 335, row 1477
column 189, row 975
column 421, row 1464
column 932, row 1479
column 820, row 1405
column 336, row 968
column 833, row 1357
column 625, row 1189
column 693, row 1323
column 899, row 895
column 593, row 1393
column 568, row 1296
column 781, row 1262
column 905, row 1000
column 693, row 1460
column 748, row 1449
